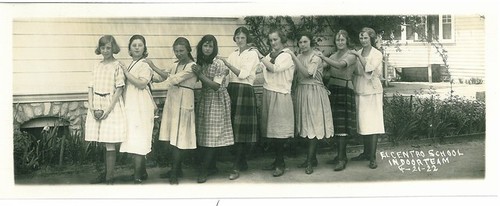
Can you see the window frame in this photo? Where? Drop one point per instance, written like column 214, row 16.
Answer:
column 440, row 38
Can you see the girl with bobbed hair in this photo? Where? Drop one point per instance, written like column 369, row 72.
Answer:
column 369, row 94
column 339, row 78
column 106, row 119
column 313, row 115
column 139, row 106
column 242, row 63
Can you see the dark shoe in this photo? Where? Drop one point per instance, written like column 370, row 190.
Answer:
column 213, row 171
column 278, row 171
column 243, row 166
column 341, row 165
column 137, row 181
column 99, row 179
column 202, row 178
column 334, row 161
column 169, row 173
column 110, row 181
column 234, row 175
column 144, row 176
column 361, row 157
column 270, row 167
column 373, row 164
column 309, row 169
column 304, row 164
column 173, row 180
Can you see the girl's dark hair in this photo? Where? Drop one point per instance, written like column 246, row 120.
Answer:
column 372, row 34
column 345, row 35
column 107, row 39
column 184, row 42
column 140, row 37
column 245, row 31
column 280, row 33
column 309, row 35
column 201, row 59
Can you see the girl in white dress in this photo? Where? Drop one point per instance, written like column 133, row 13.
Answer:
column 106, row 119
column 369, row 94
column 139, row 106
column 178, row 119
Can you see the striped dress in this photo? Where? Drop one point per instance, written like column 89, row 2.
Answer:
column 213, row 120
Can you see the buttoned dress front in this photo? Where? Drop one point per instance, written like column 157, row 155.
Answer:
column 178, row 119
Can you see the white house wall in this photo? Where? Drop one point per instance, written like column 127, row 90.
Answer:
column 466, row 56
column 55, row 56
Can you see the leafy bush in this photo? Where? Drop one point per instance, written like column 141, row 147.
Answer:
column 427, row 115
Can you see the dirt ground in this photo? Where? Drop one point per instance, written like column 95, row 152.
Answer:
column 457, row 158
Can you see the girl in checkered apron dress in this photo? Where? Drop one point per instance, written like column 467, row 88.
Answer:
column 339, row 81
column 243, row 63
column 213, row 120
column 277, row 105
column 106, row 118
column 139, row 106
column 313, row 115
column 178, row 119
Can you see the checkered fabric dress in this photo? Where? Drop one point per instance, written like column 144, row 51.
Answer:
column 213, row 120
column 105, row 79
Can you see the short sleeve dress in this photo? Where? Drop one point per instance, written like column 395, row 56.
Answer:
column 213, row 120
column 178, row 119
column 139, row 107
column 106, row 78
column 313, row 115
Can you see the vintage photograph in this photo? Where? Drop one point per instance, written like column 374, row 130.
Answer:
column 122, row 100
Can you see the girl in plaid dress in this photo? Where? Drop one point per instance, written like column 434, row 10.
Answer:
column 213, row 121
column 178, row 119
column 243, row 63
column 106, row 119
column 139, row 106
column 339, row 80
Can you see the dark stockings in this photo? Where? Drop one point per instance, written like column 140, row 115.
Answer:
column 110, row 164
column 177, row 161
column 240, row 157
column 372, row 142
column 139, row 166
column 311, row 153
column 341, row 150
column 279, row 149
column 208, row 163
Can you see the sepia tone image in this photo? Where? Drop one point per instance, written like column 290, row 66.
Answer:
column 253, row 102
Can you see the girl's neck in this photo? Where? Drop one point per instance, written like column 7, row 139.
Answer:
column 136, row 58
column 307, row 52
column 107, row 60
column 243, row 48
column 184, row 61
column 342, row 51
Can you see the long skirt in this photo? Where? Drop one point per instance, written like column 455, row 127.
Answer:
column 313, row 115
column 243, row 112
column 277, row 115
column 343, row 102
column 370, row 114
column 213, row 120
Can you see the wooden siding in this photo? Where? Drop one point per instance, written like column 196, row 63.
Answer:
column 466, row 55
column 55, row 56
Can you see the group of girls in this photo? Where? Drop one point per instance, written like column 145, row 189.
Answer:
column 121, row 106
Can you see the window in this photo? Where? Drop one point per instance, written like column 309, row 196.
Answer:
column 423, row 28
